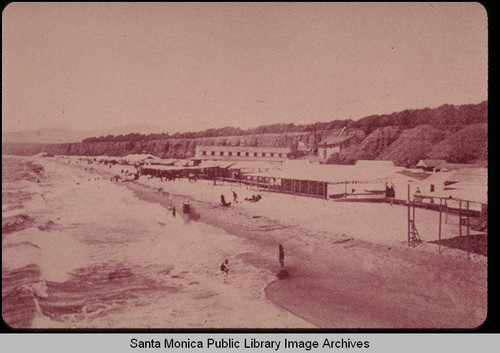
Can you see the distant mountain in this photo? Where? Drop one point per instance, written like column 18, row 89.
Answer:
column 44, row 136
column 63, row 135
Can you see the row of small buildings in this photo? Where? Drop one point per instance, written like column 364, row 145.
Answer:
column 274, row 169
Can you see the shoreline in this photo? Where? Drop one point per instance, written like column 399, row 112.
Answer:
column 338, row 281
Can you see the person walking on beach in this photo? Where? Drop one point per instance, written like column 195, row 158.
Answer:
column 186, row 207
column 224, row 267
column 235, row 197
column 281, row 255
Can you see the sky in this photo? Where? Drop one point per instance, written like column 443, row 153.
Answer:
column 175, row 67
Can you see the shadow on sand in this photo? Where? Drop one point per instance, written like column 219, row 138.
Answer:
column 476, row 243
column 283, row 273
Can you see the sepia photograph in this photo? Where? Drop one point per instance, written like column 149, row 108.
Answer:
column 244, row 166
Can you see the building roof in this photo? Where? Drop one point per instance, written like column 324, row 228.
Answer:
column 303, row 147
column 335, row 140
column 471, row 176
column 430, row 163
column 305, row 160
column 170, row 161
column 251, row 165
column 438, row 178
column 378, row 162
column 335, row 173
column 417, row 175
column 171, row 167
column 465, row 191
column 138, row 157
column 220, row 164
column 478, row 176
column 456, row 166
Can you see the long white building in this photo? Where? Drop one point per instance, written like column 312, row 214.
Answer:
column 239, row 153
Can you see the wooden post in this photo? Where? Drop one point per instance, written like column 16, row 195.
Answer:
column 413, row 204
column 408, row 214
column 460, row 217
column 440, row 206
column 446, row 211
column 468, row 229
column 460, row 225
column 469, row 256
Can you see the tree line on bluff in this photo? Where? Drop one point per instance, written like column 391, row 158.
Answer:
column 444, row 117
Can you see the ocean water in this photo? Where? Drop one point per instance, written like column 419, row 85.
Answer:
column 79, row 251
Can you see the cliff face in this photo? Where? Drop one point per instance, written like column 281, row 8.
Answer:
column 467, row 144
column 412, row 145
column 371, row 146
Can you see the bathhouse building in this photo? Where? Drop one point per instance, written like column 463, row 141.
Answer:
column 242, row 153
column 334, row 144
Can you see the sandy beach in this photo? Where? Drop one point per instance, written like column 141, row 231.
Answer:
column 348, row 263
column 353, row 136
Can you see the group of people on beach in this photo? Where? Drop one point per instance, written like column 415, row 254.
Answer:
column 224, row 267
column 227, row 204
column 117, row 177
column 254, row 198
column 389, row 191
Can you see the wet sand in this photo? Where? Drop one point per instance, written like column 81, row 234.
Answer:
column 338, row 281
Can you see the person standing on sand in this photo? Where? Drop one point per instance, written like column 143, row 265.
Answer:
column 223, row 201
column 235, row 197
column 281, row 255
column 224, row 267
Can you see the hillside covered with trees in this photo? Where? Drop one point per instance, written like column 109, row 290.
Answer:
column 445, row 117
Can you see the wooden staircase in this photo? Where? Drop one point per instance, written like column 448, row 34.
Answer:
column 413, row 236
